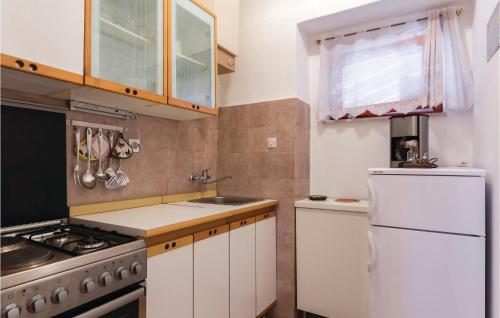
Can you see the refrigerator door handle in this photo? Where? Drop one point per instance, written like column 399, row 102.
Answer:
column 372, row 199
column 373, row 252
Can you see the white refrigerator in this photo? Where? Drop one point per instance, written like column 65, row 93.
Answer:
column 427, row 243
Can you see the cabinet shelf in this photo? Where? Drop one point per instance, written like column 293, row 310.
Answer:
column 124, row 30
column 186, row 59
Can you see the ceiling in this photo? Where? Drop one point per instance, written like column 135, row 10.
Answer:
column 371, row 12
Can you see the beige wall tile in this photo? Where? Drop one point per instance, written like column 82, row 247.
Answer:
column 282, row 165
column 258, row 164
column 260, row 115
column 257, row 139
column 238, row 140
column 285, row 136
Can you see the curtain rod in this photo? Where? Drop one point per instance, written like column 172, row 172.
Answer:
column 458, row 12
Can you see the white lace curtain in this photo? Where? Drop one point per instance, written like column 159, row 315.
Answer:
column 399, row 69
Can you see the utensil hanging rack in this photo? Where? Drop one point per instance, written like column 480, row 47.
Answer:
column 84, row 124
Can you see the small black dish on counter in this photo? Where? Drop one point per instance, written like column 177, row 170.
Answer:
column 317, row 197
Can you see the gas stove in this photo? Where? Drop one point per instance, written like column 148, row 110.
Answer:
column 55, row 268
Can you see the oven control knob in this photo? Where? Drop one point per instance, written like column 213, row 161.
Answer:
column 36, row 303
column 136, row 268
column 59, row 295
column 105, row 279
column 11, row 311
column 87, row 285
column 121, row 273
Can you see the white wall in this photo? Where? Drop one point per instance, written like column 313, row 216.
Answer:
column 487, row 142
column 342, row 152
column 267, row 61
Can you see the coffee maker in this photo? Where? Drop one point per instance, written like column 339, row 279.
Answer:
column 409, row 130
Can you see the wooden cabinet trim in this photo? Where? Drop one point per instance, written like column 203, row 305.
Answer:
column 225, row 62
column 171, row 232
column 264, row 312
column 92, row 81
column 178, row 102
column 27, row 66
column 193, row 107
column 211, row 232
column 241, row 223
column 264, row 216
column 87, row 32
column 124, row 90
column 169, row 246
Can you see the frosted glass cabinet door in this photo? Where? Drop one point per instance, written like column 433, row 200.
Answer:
column 126, row 44
column 192, row 56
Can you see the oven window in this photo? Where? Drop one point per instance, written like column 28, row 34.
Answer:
column 127, row 310
column 130, row 310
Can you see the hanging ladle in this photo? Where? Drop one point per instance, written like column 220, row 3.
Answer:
column 88, row 179
column 100, row 175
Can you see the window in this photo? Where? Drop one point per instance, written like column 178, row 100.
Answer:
column 395, row 69
column 383, row 74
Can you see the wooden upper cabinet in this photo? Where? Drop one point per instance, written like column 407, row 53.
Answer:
column 43, row 37
column 228, row 25
column 192, row 50
column 125, row 47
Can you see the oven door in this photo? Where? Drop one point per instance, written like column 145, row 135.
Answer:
column 125, row 303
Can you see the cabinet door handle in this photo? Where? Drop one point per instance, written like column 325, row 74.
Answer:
column 134, row 92
column 33, row 67
column 127, row 90
column 19, row 63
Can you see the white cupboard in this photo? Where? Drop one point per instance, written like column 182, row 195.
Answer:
column 170, row 279
column 49, row 32
column 211, row 273
column 228, row 22
column 242, row 268
column 332, row 253
column 265, row 261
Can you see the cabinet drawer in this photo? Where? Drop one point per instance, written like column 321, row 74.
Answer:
column 226, row 62
column 264, row 216
column 199, row 236
column 241, row 223
column 169, row 246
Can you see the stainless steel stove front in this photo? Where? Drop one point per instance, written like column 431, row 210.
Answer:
column 60, row 292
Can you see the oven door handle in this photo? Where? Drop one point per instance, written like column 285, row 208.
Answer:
column 114, row 304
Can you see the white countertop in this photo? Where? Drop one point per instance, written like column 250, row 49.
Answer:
column 444, row 171
column 149, row 220
column 331, row 204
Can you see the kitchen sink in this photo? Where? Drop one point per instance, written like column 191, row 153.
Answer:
column 226, row 200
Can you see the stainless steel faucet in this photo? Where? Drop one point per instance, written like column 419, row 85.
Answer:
column 204, row 177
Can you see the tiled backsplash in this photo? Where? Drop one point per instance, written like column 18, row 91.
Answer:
column 281, row 173
column 170, row 152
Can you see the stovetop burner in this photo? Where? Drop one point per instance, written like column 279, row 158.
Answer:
column 9, row 243
column 25, row 257
column 90, row 243
column 48, row 244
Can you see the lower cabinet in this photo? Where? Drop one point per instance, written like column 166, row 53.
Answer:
column 222, row 272
column 242, row 268
column 211, row 273
column 332, row 253
column 265, row 261
column 170, row 279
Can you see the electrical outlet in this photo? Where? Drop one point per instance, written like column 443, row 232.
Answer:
column 135, row 144
column 272, row 143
